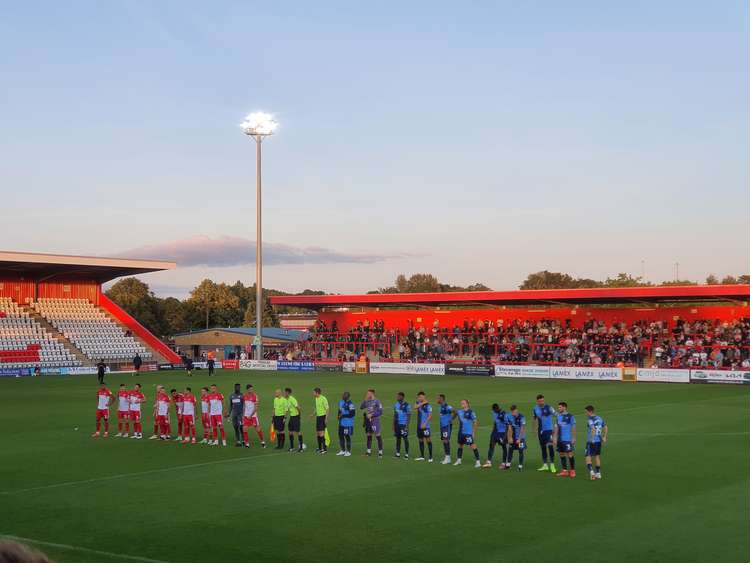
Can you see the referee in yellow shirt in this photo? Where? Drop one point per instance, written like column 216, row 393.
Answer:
column 321, row 419
column 294, row 420
column 280, row 408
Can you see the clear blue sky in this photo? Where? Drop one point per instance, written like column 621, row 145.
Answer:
column 476, row 140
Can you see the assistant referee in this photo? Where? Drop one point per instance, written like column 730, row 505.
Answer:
column 321, row 419
column 280, row 408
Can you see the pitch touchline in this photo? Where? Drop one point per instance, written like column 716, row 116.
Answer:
column 136, row 474
column 82, row 549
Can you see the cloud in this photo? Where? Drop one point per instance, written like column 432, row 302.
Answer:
column 236, row 251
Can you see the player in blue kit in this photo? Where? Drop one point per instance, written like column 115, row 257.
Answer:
column 544, row 424
column 499, row 436
column 596, row 436
column 565, row 440
column 401, row 418
column 466, row 431
column 346, row 424
column 424, row 435
column 516, row 436
column 447, row 414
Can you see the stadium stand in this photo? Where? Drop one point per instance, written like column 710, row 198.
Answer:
column 90, row 330
column 53, row 313
column 670, row 326
column 24, row 343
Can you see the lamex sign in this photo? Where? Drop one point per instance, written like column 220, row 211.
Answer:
column 261, row 365
column 663, row 375
column 719, row 376
column 406, row 368
column 588, row 373
column 204, row 365
column 295, row 366
column 534, row 372
column 230, row 364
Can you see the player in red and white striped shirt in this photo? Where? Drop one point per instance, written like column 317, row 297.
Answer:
column 250, row 416
column 104, row 399
column 123, row 412
column 205, row 416
column 161, row 410
column 136, row 398
column 188, row 416
column 178, row 403
column 216, row 410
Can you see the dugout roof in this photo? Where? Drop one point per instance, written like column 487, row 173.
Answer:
column 623, row 295
column 52, row 267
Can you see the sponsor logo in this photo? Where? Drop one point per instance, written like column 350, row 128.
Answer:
column 165, row 366
column 477, row 370
column 295, row 366
column 663, row 375
column 229, row 364
column 263, row 365
column 348, row 367
column 535, row 372
column 328, row 366
column 14, row 372
column 405, row 368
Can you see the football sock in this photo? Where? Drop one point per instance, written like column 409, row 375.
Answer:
column 573, row 463
column 598, row 468
column 490, row 451
column 398, row 444
column 447, row 448
column 429, row 449
column 421, row 448
column 589, row 467
column 369, row 442
column 246, row 436
column 520, row 457
column 564, row 463
column 551, row 454
column 544, row 453
column 291, row 441
column 406, row 445
column 342, row 442
column 380, row 443
column 460, row 453
column 348, row 439
column 476, row 453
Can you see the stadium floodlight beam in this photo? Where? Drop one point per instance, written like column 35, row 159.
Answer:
column 258, row 125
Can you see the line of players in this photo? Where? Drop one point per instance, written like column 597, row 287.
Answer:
column 555, row 429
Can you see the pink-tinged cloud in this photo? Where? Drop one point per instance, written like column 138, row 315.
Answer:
column 236, row 251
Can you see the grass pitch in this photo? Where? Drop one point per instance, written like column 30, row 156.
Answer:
column 674, row 489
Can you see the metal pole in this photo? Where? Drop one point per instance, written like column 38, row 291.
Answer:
column 258, row 255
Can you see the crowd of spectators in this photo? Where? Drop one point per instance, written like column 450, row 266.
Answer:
column 705, row 344
column 697, row 344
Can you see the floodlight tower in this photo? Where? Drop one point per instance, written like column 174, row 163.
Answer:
column 258, row 125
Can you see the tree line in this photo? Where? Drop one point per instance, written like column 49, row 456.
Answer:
column 212, row 304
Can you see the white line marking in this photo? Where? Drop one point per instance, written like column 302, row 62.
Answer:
column 679, row 433
column 82, row 549
column 136, row 474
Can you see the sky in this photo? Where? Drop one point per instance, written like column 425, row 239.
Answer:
column 479, row 141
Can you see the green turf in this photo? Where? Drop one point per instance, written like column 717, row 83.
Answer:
column 674, row 488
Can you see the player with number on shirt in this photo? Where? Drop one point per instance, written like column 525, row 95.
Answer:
column 205, row 416
column 188, row 416
column 104, row 399
column 250, row 416
column 466, row 431
column 216, row 410
column 597, row 435
column 123, row 412
column 136, row 399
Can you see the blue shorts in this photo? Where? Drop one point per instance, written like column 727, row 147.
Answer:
column 521, row 445
column 445, row 432
column 565, row 447
column 465, row 439
column 545, row 437
column 401, row 430
column 498, row 437
column 593, row 449
column 424, row 432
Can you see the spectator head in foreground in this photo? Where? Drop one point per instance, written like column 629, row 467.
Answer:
column 13, row 552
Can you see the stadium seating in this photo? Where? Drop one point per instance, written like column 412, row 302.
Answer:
column 24, row 343
column 90, row 329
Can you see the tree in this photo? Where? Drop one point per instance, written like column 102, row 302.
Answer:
column 173, row 317
column 135, row 297
column 625, row 280
column 679, row 282
column 211, row 297
column 712, row 280
column 556, row 280
column 269, row 315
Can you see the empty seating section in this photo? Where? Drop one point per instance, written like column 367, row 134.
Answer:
column 90, row 329
column 24, row 343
